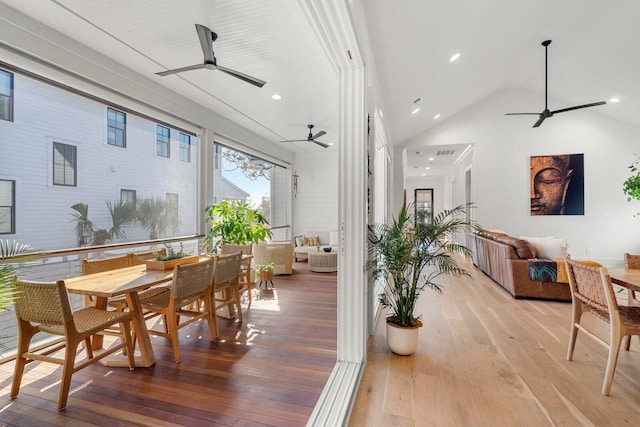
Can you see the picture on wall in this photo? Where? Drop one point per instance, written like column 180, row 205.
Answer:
column 557, row 184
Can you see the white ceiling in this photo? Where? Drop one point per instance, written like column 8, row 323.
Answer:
column 593, row 56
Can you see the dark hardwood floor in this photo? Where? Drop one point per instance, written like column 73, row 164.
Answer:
column 268, row 370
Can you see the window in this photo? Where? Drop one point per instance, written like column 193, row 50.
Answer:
column 128, row 197
column 7, row 207
column 6, row 95
column 162, row 141
column 423, row 206
column 116, row 128
column 185, row 147
column 64, row 164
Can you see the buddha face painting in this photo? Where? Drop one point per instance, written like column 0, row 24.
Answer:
column 550, row 179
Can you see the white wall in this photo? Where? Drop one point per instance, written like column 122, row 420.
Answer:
column 500, row 186
column 315, row 206
column 435, row 182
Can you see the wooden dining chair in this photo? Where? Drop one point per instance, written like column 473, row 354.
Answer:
column 138, row 258
column 632, row 262
column 592, row 291
column 226, row 288
column 191, row 282
column 107, row 264
column 44, row 307
column 246, row 276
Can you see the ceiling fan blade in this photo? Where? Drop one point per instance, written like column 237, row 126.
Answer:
column 206, row 42
column 295, row 140
column 521, row 114
column 579, row 106
column 322, row 144
column 319, row 134
column 540, row 120
column 180, row 70
column 247, row 78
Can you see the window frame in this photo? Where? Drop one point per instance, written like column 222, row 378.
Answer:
column 185, row 147
column 163, row 141
column 9, row 96
column 118, row 125
column 11, row 208
column 64, row 174
column 128, row 200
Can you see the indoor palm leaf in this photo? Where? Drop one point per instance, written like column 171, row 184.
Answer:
column 410, row 257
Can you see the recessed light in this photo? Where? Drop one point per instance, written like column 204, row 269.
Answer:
column 428, row 167
column 454, row 57
column 276, row 96
column 431, row 159
column 424, row 174
column 329, row 143
column 614, row 100
column 436, row 117
column 415, row 110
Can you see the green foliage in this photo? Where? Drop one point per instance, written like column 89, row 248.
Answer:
column 7, row 293
column 631, row 186
column 409, row 259
column 265, row 267
column 171, row 253
column 84, row 226
column 252, row 168
column 152, row 215
column 234, row 223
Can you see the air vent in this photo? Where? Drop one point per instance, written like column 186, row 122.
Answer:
column 445, row 152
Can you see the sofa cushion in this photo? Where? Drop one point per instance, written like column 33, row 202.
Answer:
column 522, row 247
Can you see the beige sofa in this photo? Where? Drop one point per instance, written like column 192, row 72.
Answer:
column 325, row 238
column 279, row 253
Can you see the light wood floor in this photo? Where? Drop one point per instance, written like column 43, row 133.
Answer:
column 485, row 359
column 268, row 370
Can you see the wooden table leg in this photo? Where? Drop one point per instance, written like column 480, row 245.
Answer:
column 142, row 334
column 98, row 340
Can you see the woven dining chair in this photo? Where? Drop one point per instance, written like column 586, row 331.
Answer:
column 633, row 262
column 246, row 277
column 140, row 257
column 107, row 264
column 592, row 291
column 191, row 282
column 226, row 288
column 44, row 307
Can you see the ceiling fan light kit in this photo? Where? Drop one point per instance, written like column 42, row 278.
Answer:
column 207, row 37
column 311, row 137
column 546, row 113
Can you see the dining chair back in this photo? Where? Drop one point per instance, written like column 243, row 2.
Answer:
column 140, row 257
column 632, row 262
column 246, row 272
column 44, row 307
column 191, row 283
column 226, row 288
column 107, row 264
column 592, row 291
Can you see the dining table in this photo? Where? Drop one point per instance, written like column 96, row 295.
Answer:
column 625, row 277
column 128, row 282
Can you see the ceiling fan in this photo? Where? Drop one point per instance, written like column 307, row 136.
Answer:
column 207, row 37
column 546, row 113
column 311, row 137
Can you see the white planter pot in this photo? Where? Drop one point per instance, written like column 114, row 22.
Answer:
column 402, row 340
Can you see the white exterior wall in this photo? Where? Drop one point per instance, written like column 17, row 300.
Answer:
column 44, row 114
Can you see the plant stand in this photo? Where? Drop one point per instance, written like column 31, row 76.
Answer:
column 266, row 277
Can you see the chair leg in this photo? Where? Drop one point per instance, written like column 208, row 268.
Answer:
column 627, row 342
column 236, row 291
column 173, row 334
column 212, row 320
column 26, row 332
column 575, row 320
column 125, row 327
column 67, row 371
column 614, row 348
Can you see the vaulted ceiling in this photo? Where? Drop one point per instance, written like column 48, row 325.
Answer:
column 592, row 57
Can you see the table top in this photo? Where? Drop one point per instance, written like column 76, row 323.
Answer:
column 627, row 277
column 117, row 282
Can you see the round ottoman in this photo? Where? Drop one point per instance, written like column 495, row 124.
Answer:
column 322, row 262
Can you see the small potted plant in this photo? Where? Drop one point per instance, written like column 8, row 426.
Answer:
column 171, row 259
column 265, row 272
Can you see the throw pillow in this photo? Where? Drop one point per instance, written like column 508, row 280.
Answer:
column 548, row 247
column 313, row 240
column 305, row 240
column 299, row 241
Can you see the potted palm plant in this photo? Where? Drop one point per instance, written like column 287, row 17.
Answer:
column 409, row 258
column 7, row 293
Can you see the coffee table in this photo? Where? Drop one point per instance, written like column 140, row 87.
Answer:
column 322, row 262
